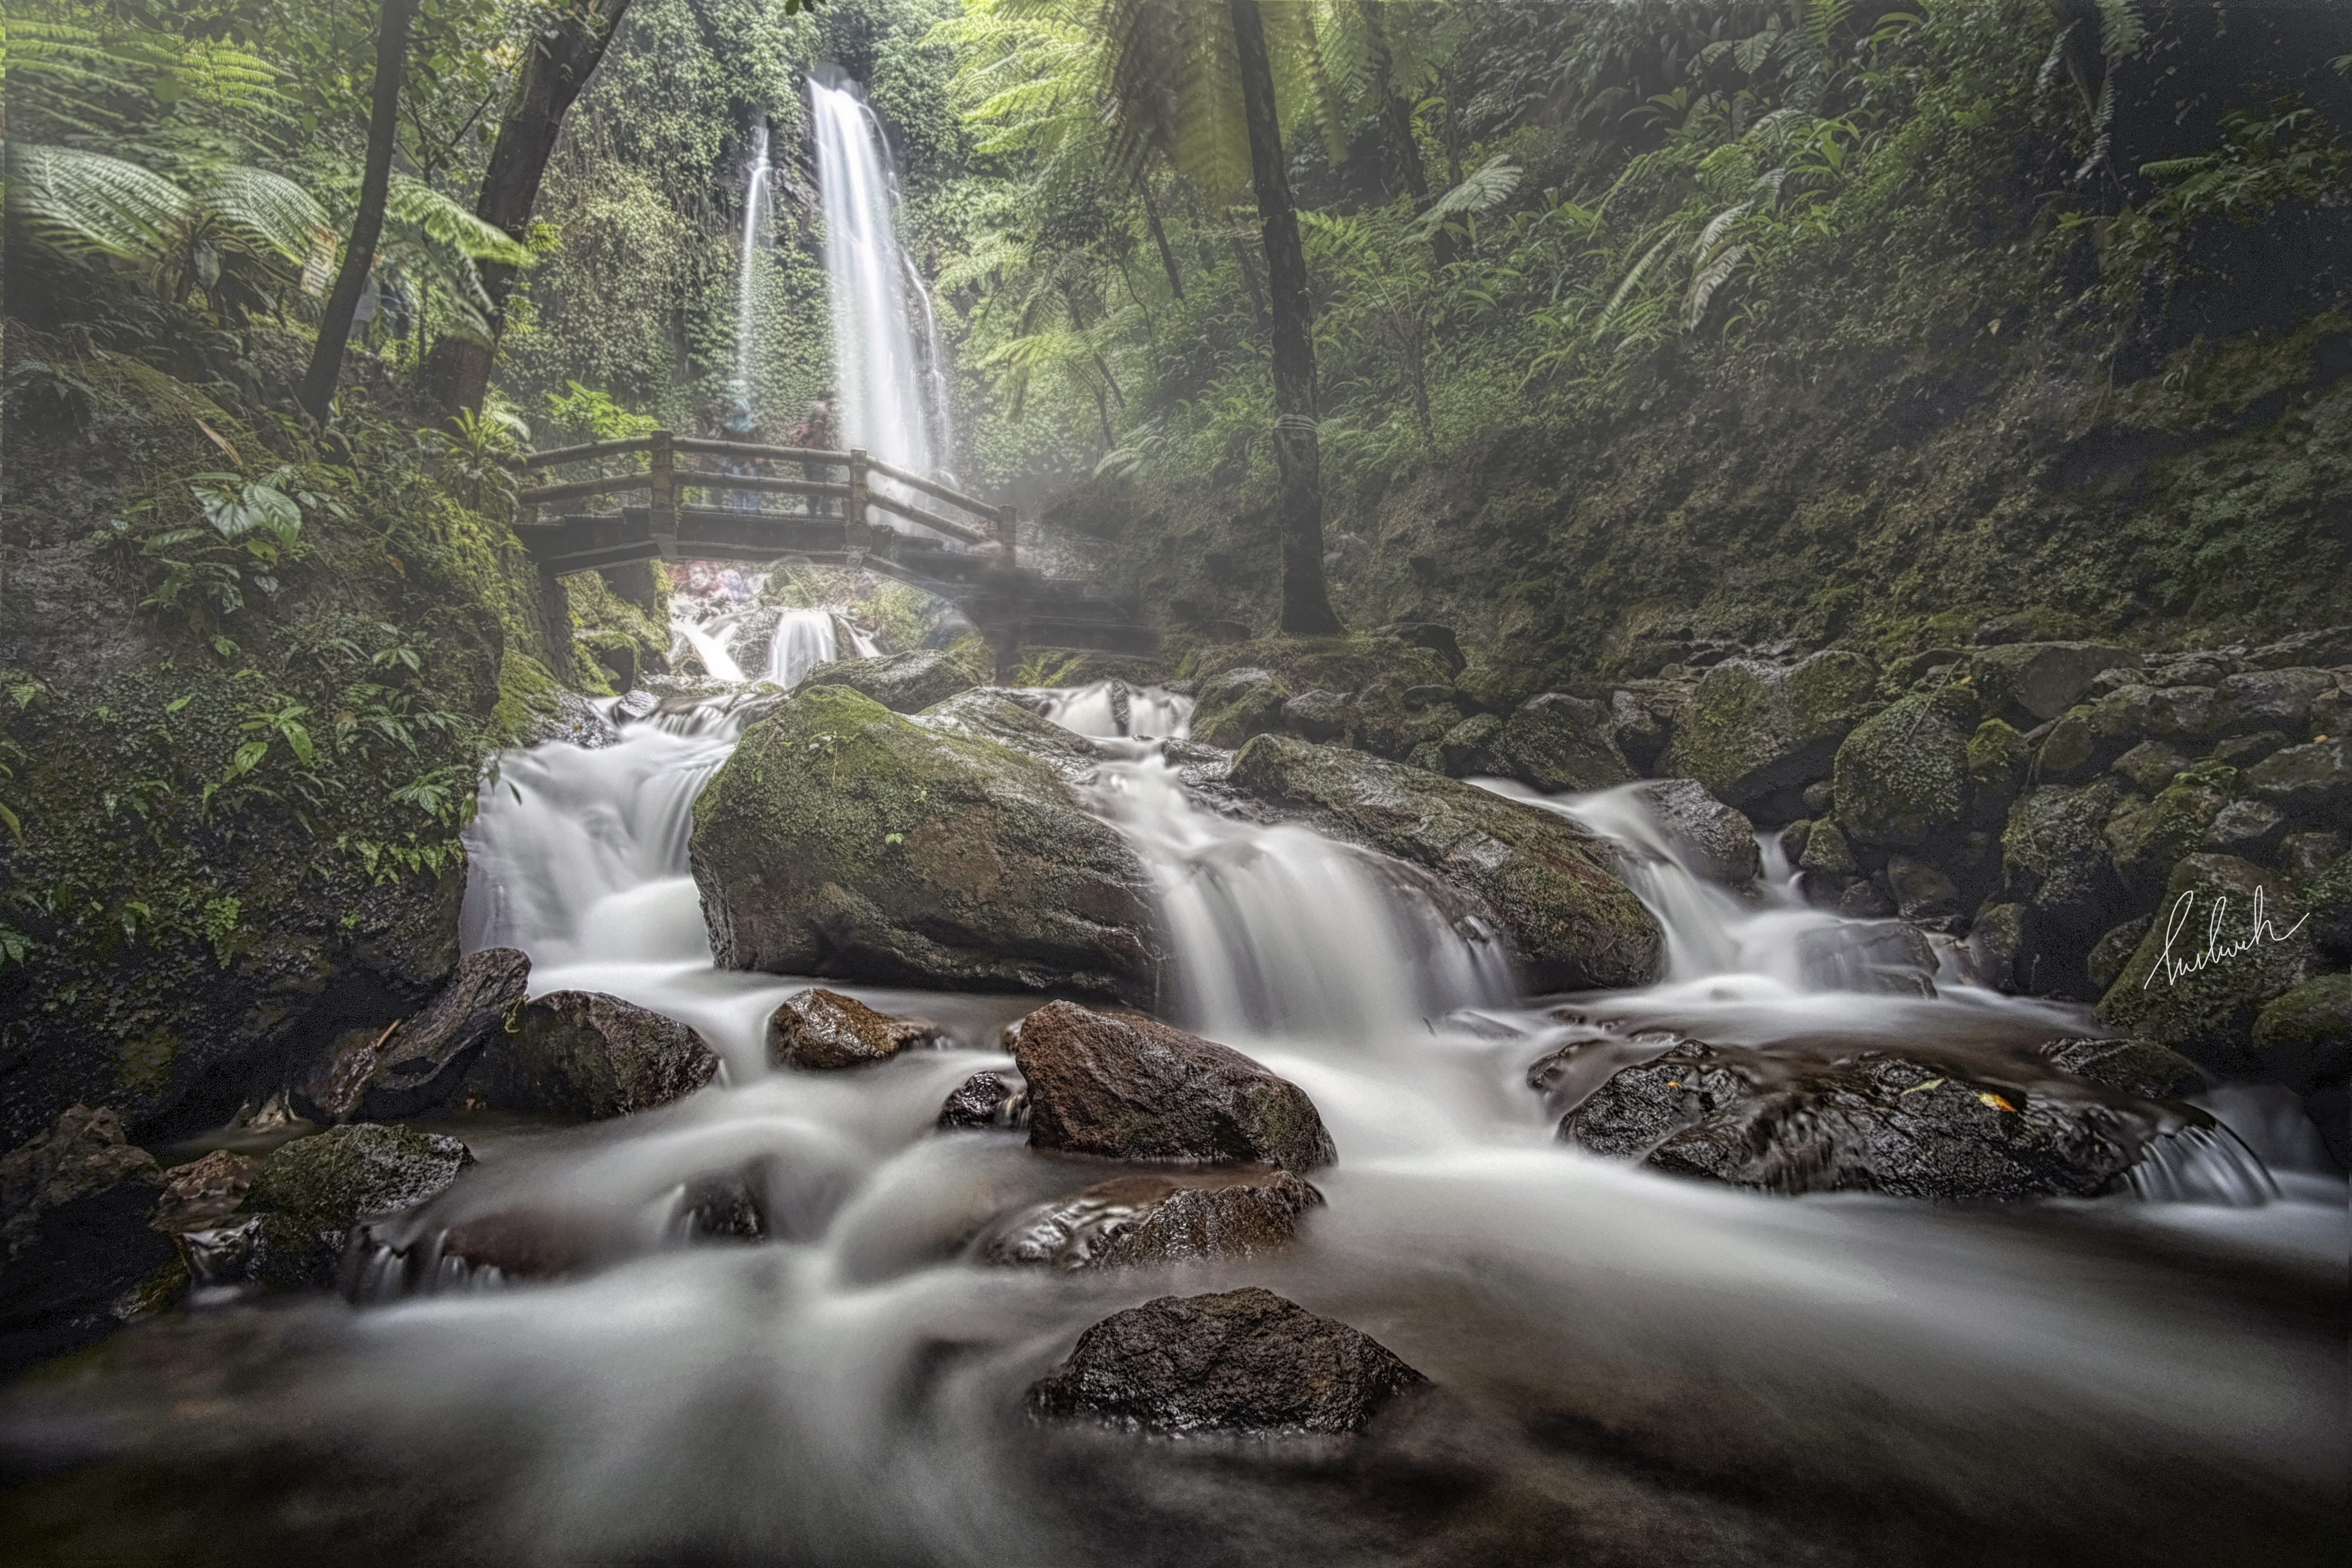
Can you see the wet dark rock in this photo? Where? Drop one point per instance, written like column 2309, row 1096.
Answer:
column 2304, row 856
column 1133, row 1088
column 1753, row 729
column 2151, row 764
column 521, row 1243
column 2303, row 1038
column 841, row 839
column 1865, row 899
column 1998, row 760
column 2205, row 968
column 902, row 682
column 1154, row 1219
column 1317, row 715
column 1236, row 705
column 2328, row 894
column 1468, row 748
column 2031, row 682
column 986, row 713
column 2113, row 951
column 2250, row 828
column 584, row 1056
column 2129, row 713
column 1827, row 852
column 1543, row 881
column 1637, row 729
column 312, row 1192
column 1996, row 948
column 985, row 1099
column 2269, row 700
column 1417, row 697
column 421, row 1063
column 1788, row 1120
column 1720, row 836
column 2071, row 749
column 1559, row 743
column 2139, row 1068
column 1902, row 776
column 2055, row 861
column 724, row 1208
column 1922, row 893
column 823, row 1030
column 80, row 1259
column 2311, row 783
column 1243, row 1361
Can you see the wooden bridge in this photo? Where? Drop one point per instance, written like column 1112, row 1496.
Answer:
column 835, row 524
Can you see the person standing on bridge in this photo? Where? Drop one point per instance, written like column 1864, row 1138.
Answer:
column 738, row 427
column 817, row 432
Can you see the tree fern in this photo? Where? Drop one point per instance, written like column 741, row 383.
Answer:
column 1483, row 187
column 82, row 205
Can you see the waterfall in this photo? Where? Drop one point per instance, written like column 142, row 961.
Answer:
column 807, row 638
column 755, row 212
column 889, row 372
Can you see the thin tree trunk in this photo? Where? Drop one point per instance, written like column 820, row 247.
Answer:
column 1306, row 603
column 318, row 395
column 553, row 72
column 1159, row 234
column 1254, row 283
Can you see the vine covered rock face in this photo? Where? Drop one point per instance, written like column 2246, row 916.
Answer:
column 1542, row 879
column 1245, row 1360
column 841, row 839
column 1133, row 1088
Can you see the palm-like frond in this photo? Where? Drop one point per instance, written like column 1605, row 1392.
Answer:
column 1485, row 186
column 445, row 222
column 83, row 205
column 268, row 214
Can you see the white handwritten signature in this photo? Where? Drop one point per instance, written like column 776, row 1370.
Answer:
column 2259, row 930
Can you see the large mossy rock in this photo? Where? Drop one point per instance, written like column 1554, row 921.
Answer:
column 1238, row 704
column 2227, row 938
column 1244, row 1361
column 2303, row 1038
column 1795, row 1120
column 2311, row 783
column 311, row 1192
column 1901, row 778
column 1544, row 882
column 1134, row 1088
column 841, row 839
column 77, row 1255
column 2031, row 682
column 986, row 713
column 902, row 682
column 1130, row 1221
column 1557, row 742
column 1753, row 729
column 2055, row 862
column 584, row 1056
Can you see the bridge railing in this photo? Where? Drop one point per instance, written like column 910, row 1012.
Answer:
column 666, row 481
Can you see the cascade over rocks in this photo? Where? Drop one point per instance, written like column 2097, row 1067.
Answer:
column 1135, row 1089
column 1148, row 1219
column 1543, row 880
column 1244, row 1361
column 77, row 1257
column 824, row 1029
column 1721, row 836
column 1788, row 1119
column 420, row 1063
column 584, row 1056
column 902, row 682
column 1756, row 730
column 841, row 839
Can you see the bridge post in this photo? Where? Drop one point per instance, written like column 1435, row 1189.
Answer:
column 857, row 483
column 1008, row 524
column 664, row 484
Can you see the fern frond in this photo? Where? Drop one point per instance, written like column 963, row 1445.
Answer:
column 268, row 213
column 444, row 221
column 1483, row 187
column 82, row 203
column 1709, row 279
column 1633, row 280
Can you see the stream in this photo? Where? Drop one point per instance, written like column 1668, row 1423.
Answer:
column 1629, row 1368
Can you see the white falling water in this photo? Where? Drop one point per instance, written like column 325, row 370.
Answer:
column 807, row 638
column 755, row 216
column 892, row 386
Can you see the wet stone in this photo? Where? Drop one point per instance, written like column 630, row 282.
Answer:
column 824, row 1030
column 420, row 1063
column 1148, row 1219
column 584, row 1056
column 312, row 1192
column 80, row 1259
column 1245, row 1360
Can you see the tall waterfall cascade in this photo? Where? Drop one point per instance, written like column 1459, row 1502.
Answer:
column 757, row 202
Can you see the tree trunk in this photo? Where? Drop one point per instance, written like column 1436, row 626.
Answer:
column 318, row 395
column 553, row 72
column 1159, row 234
column 1306, row 606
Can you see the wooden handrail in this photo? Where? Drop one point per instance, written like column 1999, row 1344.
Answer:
column 583, row 453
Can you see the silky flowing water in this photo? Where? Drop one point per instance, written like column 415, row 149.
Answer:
column 1629, row 1368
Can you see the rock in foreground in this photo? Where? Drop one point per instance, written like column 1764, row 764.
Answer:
column 1788, row 1121
column 586, row 1055
column 824, row 1029
column 1132, row 1089
column 902, row 682
column 1244, row 1361
column 840, row 839
column 1156, row 1219
column 76, row 1258
column 311, row 1192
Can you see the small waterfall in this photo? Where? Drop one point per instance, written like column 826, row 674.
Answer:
column 1112, row 708
column 756, row 198
column 889, row 369
column 807, row 638
column 713, row 653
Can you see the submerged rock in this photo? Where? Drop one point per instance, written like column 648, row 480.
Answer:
column 1754, row 729
column 79, row 1259
column 1133, row 1088
column 586, row 1055
column 1720, row 836
column 902, row 682
column 310, row 1193
column 841, row 839
column 985, row 1099
column 1543, row 880
column 821, row 1030
column 1790, row 1120
column 1148, row 1219
column 420, row 1063
column 1243, row 1361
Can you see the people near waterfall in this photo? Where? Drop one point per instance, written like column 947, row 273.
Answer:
column 817, row 432
column 738, row 427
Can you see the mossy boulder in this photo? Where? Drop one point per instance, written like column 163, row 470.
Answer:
column 2311, row 783
column 985, row 713
column 1469, row 748
column 2303, row 1038
column 1558, row 742
column 2227, row 938
column 2277, row 700
column 841, row 839
column 2029, row 681
column 583, row 1056
column 1753, row 731
column 1902, row 777
column 2146, row 839
column 902, row 682
column 1546, row 883
column 1238, row 704
column 1998, row 757
column 311, row 1192
column 2056, row 860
